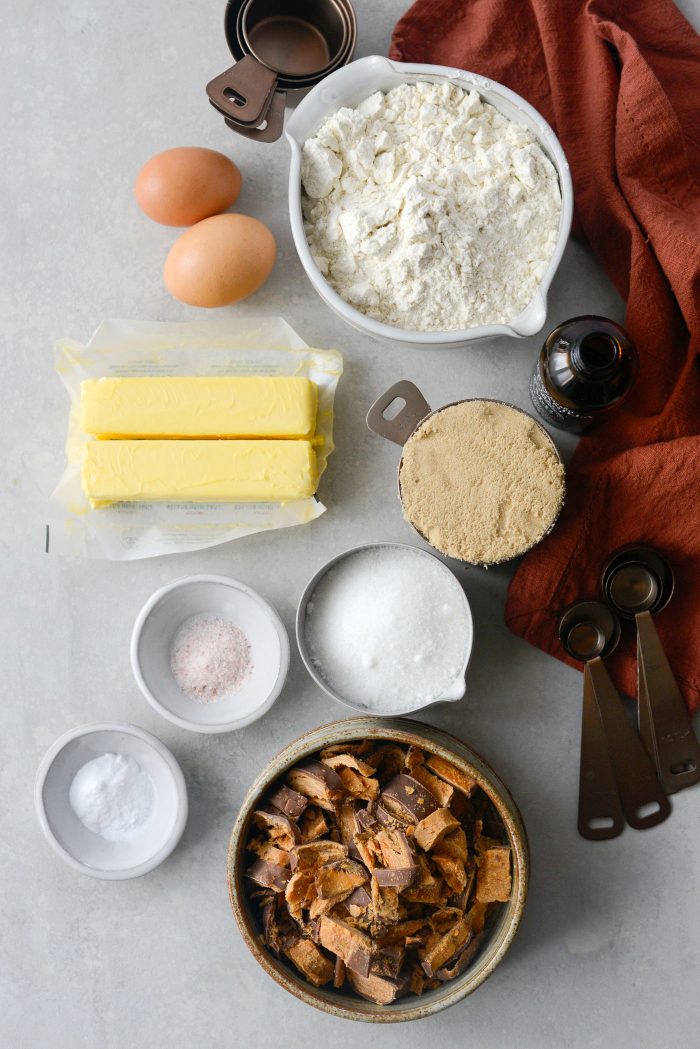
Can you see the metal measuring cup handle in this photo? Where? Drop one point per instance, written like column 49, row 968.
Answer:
column 600, row 814
column 246, row 95
column 676, row 747
column 274, row 122
column 400, row 428
column 635, row 775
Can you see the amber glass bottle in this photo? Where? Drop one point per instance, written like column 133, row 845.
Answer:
column 586, row 367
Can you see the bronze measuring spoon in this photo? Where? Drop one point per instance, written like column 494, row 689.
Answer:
column 616, row 776
column 638, row 581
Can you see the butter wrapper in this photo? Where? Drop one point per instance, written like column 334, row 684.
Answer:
column 243, row 346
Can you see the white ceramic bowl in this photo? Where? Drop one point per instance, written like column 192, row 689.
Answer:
column 159, row 621
column 85, row 851
column 348, row 87
column 458, row 687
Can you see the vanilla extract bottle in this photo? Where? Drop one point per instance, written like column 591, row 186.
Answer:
column 585, row 369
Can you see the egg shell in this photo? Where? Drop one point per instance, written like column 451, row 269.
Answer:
column 184, row 185
column 221, row 260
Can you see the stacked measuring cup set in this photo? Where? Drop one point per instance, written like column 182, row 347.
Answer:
column 627, row 775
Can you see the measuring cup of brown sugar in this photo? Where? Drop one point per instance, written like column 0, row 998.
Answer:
column 281, row 48
column 479, row 479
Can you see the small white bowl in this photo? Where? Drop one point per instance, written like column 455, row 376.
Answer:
column 168, row 610
column 348, row 87
column 85, row 851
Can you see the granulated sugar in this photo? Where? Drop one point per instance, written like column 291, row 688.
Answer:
column 389, row 629
column 210, row 658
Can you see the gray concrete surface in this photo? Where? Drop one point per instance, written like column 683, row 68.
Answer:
column 608, row 952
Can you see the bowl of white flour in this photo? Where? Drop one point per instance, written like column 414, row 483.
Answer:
column 428, row 205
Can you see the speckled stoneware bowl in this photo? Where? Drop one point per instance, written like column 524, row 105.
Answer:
column 343, row 1003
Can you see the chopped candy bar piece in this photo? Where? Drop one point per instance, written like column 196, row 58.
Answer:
column 340, row 878
column 269, row 875
column 493, row 880
column 406, row 797
column 431, row 830
column 451, row 774
column 349, row 943
column 317, row 782
column 289, row 802
column 311, row 961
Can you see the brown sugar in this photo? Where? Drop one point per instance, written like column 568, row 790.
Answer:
column 481, row 481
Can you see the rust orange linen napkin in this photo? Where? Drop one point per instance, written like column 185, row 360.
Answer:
column 620, row 83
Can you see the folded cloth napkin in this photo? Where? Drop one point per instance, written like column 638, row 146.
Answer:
column 620, row 83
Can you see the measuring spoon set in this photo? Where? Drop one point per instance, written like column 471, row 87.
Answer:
column 625, row 775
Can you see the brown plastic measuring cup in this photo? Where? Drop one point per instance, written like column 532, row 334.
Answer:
column 415, row 410
column 280, row 47
column 612, row 753
column 638, row 581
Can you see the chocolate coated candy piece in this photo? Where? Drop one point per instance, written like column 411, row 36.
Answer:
column 431, row 830
column 349, row 761
column 442, row 792
column 278, row 928
column 339, row 975
column 349, row 943
column 493, row 881
column 446, row 947
column 363, row 787
column 318, row 782
column 387, row 961
column 451, row 774
column 414, row 757
column 411, row 929
column 346, row 748
column 455, row 844
column 388, row 760
column 452, row 871
column 311, row 961
column 395, row 877
column 316, row 854
column 405, row 796
column 379, row 989
column 385, row 903
column 339, row 878
column 462, row 960
column 267, row 850
column 278, row 826
column 269, row 875
column 360, row 898
column 427, row 888
column 366, row 818
column 395, row 848
column 386, row 818
column 312, row 824
column 289, row 802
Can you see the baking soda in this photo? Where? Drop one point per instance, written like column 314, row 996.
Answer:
column 388, row 629
column 112, row 796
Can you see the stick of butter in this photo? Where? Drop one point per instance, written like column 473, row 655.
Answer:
column 199, row 406
column 198, row 471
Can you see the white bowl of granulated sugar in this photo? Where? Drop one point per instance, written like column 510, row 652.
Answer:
column 428, row 205
column 209, row 653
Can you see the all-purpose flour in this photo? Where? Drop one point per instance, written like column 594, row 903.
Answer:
column 428, row 210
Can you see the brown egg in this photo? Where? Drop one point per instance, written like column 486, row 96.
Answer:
column 221, row 260
column 182, row 186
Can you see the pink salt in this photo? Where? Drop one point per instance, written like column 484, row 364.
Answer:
column 210, row 658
